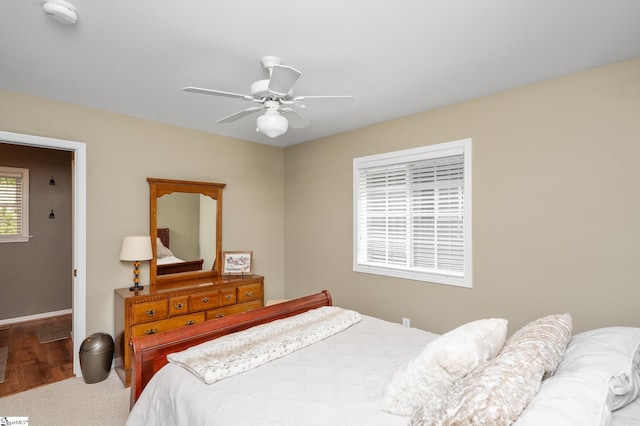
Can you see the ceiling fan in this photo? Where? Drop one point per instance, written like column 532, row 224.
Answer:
column 276, row 99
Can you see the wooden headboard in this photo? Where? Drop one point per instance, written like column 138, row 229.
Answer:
column 163, row 234
column 149, row 353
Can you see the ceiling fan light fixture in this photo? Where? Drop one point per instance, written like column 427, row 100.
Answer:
column 272, row 124
column 275, row 96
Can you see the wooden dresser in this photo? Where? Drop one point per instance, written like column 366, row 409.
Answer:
column 145, row 312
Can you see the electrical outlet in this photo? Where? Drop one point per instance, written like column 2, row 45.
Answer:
column 406, row 322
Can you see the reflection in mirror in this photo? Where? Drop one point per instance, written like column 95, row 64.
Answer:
column 189, row 222
column 207, row 235
column 186, row 225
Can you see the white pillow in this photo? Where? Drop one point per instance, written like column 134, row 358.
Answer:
column 569, row 398
column 499, row 390
column 162, row 250
column 613, row 351
column 441, row 363
column 600, row 372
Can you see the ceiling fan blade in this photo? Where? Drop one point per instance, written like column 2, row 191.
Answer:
column 282, row 79
column 217, row 93
column 323, row 101
column 295, row 120
column 240, row 114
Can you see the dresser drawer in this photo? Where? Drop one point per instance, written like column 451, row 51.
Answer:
column 148, row 311
column 141, row 313
column 227, row 296
column 234, row 309
column 204, row 300
column 249, row 292
column 178, row 305
column 167, row 324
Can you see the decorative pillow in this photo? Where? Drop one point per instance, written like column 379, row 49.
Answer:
column 499, row 390
column 162, row 250
column 441, row 363
column 600, row 372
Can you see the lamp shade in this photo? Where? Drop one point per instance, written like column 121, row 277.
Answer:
column 137, row 247
column 272, row 124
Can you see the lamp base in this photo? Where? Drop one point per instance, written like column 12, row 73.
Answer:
column 136, row 287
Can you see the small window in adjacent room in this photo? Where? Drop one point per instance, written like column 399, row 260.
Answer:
column 412, row 214
column 14, row 205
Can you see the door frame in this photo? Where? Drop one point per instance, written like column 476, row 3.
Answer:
column 79, row 183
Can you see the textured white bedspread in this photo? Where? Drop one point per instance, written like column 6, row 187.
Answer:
column 239, row 352
column 337, row 381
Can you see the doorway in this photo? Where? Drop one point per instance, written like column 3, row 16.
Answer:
column 79, row 227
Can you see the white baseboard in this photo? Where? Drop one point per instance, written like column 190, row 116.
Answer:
column 35, row 317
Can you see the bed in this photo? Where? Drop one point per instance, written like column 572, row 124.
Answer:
column 372, row 371
column 167, row 263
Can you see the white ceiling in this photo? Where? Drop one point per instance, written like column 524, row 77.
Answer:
column 397, row 57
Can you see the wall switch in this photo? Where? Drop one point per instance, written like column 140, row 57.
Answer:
column 406, row 322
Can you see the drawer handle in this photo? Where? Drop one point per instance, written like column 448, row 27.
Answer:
column 151, row 312
column 151, row 331
column 189, row 322
column 228, row 296
column 219, row 315
column 205, row 299
column 250, row 293
column 179, row 305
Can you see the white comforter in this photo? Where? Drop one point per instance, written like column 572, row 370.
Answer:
column 337, row 381
column 167, row 260
column 239, row 352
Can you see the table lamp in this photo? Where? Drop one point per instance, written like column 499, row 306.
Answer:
column 136, row 248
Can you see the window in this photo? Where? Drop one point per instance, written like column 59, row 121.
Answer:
column 14, row 204
column 412, row 213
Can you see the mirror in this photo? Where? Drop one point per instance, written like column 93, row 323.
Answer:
column 185, row 223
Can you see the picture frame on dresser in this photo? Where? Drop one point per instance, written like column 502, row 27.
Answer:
column 237, row 262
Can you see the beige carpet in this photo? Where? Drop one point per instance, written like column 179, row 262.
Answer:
column 51, row 333
column 3, row 364
column 71, row 402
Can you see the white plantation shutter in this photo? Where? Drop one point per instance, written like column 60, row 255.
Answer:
column 14, row 204
column 412, row 214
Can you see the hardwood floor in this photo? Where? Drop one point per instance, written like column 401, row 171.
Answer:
column 30, row 363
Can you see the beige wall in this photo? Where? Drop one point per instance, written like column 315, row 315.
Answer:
column 122, row 152
column 556, row 207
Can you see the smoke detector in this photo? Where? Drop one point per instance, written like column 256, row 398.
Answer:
column 61, row 11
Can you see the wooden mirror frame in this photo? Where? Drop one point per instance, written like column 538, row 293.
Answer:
column 160, row 187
